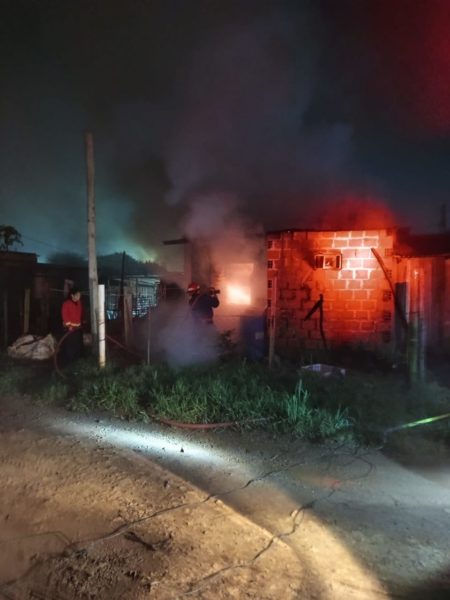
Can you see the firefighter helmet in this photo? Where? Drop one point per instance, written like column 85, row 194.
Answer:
column 193, row 287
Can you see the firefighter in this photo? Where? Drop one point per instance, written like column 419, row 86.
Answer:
column 202, row 301
column 72, row 314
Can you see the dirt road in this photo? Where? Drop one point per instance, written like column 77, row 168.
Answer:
column 93, row 508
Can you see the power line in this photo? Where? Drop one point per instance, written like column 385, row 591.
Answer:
column 26, row 237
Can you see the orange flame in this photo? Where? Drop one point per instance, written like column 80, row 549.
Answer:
column 238, row 294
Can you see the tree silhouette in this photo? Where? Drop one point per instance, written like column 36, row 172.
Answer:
column 8, row 237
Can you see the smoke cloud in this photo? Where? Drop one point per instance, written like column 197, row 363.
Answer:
column 185, row 342
column 244, row 129
column 283, row 106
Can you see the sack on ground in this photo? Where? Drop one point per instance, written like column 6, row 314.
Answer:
column 33, row 347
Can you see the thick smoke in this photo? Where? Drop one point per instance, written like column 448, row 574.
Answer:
column 182, row 341
column 286, row 105
column 245, row 129
column 223, row 239
column 214, row 219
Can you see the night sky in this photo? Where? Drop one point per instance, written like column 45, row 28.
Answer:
column 295, row 110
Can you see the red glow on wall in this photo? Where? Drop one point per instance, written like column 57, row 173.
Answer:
column 356, row 305
column 353, row 212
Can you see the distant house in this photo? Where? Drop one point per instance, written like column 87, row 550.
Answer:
column 364, row 287
column 16, row 277
column 31, row 293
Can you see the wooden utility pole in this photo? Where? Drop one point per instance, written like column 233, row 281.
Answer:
column 92, row 253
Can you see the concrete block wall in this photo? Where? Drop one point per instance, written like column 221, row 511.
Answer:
column 358, row 306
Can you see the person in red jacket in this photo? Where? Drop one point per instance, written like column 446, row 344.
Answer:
column 72, row 314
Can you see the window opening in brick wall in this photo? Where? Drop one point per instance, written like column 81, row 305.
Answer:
column 269, row 244
column 269, row 283
column 387, row 295
column 328, row 260
column 270, row 264
column 387, row 315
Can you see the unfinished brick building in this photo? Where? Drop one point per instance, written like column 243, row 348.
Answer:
column 364, row 287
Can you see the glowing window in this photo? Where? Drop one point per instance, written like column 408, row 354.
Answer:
column 328, row 260
column 238, row 283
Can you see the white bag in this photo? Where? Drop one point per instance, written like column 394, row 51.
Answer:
column 33, row 347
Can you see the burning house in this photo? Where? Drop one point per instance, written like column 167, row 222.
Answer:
column 382, row 289
column 238, row 272
column 378, row 288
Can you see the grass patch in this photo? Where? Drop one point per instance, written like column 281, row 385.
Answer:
column 227, row 393
column 111, row 391
column 378, row 400
column 286, row 399
column 312, row 422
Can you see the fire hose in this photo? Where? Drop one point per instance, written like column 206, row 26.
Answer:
column 205, row 426
column 227, row 424
column 56, row 352
column 67, row 333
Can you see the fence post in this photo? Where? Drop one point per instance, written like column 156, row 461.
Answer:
column 101, row 327
column 273, row 321
column 26, row 311
column 127, row 315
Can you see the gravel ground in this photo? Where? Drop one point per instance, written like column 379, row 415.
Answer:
column 96, row 508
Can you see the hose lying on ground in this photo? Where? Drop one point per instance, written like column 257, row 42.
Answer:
column 67, row 333
column 199, row 426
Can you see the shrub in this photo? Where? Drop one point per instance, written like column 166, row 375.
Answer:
column 110, row 392
column 312, row 422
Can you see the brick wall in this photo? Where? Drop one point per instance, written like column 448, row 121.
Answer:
column 357, row 302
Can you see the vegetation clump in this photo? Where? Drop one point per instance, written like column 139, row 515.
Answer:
column 287, row 399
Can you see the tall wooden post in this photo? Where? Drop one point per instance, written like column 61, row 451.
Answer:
column 92, row 253
column 101, row 327
column 127, row 315
column 421, row 326
column 26, row 311
column 273, row 321
column 149, row 324
column 5, row 317
column 414, row 341
column 121, row 301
